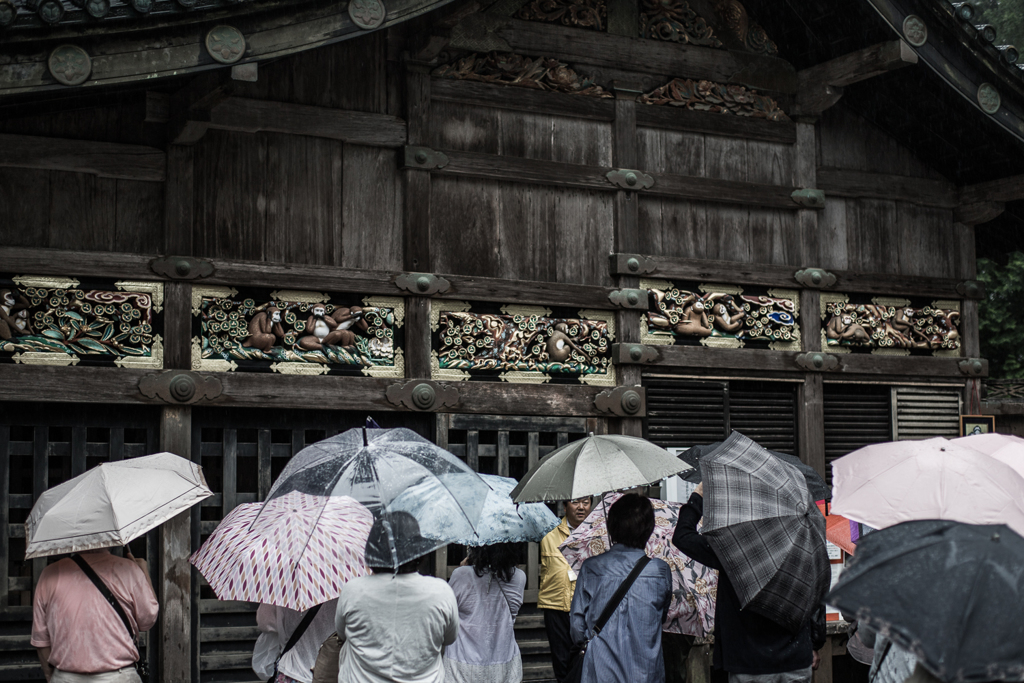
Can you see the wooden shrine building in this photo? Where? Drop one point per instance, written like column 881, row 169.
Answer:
column 231, row 228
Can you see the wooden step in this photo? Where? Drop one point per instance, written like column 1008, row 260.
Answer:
column 524, row 621
column 538, row 672
column 539, row 646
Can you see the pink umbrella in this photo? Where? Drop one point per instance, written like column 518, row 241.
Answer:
column 887, row 483
column 692, row 611
column 1003, row 447
column 298, row 553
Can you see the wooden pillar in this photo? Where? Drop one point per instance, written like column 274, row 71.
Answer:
column 811, row 404
column 179, row 618
column 627, row 236
column 967, row 269
column 416, row 222
column 824, row 672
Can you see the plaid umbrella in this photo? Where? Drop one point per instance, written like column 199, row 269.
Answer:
column 815, row 484
column 694, row 586
column 766, row 530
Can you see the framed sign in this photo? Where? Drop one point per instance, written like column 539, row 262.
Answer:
column 977, row 424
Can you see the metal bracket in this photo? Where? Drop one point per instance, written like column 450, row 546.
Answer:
column 628, row 179
column 424, row 157
column 423, row 284
column 622, row 401
column 182, row 267
column 974, row 367
column 630, row 354
column 180, row 387
column 629, row 298
column 972, row 289
column 809, row 199
column 816, row 361
column 421, row 394
column 815, row 278
column 631, row 264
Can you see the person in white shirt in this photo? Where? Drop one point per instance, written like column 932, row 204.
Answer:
column 277, row 625
column 394, row 623
column 489, row 592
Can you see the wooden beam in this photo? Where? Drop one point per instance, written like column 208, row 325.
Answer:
column 317, row 278
column 840, row 182
column 252, row 116
column 103, row 159
column 249, row 389
column 734, row 272
column 821, row 86
column 558, row 174
column 978, row 212
column 667, row 117
column 1001, row 190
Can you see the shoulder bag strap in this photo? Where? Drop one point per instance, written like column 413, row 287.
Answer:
column 307, row 619
column 102, row 587
column 620, row 593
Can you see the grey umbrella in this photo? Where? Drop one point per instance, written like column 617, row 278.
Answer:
column 595, row 465
column 815, row 484
column 765, row 528
column 947, row 592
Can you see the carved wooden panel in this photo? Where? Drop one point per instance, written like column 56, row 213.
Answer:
column 677, row 22
column 67, row 321
column 521, row 343
column 721, row 315
column 893, row 326
column 591, row 14
column 507, row 68
column 715, row 97
column 296, row 332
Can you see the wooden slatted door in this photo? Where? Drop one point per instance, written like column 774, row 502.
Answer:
column 926, row 412
column 509, row 447
column 242, row 452
column 856, row 415
column 42, row 446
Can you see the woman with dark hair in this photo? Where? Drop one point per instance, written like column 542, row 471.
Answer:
column 628, row 649
column 489, row 591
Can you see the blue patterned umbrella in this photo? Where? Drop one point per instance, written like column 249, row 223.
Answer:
column 501, row 520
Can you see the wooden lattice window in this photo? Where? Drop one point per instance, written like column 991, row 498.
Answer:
column 42, row 446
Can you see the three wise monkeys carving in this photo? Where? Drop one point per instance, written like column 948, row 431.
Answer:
column 14, row 320
column 339, row 328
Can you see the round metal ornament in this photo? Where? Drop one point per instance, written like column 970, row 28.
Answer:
column 915, row 30
column 988, row 98
column 70, row 65
column 367, row 14
column 226, row 44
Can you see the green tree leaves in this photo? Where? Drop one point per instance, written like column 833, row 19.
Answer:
column 1001, row 316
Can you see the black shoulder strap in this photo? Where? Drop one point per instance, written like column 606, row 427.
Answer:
column 307, row 619
column 105, row 592
column 620, row 593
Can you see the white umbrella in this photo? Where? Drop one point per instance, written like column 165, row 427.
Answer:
column 595, row 465
column 113, row 504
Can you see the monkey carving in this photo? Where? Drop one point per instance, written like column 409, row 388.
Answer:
column 694, row 320
column 350, row 321
column 265, row 329
column 903, row 326
column 843, row 328
column 13, row 309
column 728, row 316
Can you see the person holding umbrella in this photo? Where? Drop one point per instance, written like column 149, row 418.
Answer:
column 395, row 621
column 290, row 641
column 489, row 590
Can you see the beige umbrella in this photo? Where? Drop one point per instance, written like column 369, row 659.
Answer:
column 113, row 504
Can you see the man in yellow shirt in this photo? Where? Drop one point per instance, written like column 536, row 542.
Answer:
column 557, row 582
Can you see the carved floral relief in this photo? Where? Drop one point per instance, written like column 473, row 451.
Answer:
column 675, row 21
column 522, row 343
column 720, row 315
column 591, row 14
column 294, row 332
column 64, row 321
column 507, row 68
column 715, row 97
column 889, row 326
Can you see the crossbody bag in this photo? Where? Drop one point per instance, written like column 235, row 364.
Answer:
column 140, row 664
column 307, row 619
column 576, row 672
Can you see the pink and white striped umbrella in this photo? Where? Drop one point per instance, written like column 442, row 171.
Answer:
column 297, row 553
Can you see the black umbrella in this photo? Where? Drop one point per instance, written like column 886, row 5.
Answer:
column 946, row 591
column 815, row 484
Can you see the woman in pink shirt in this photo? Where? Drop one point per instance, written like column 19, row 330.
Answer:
column 78, row 634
